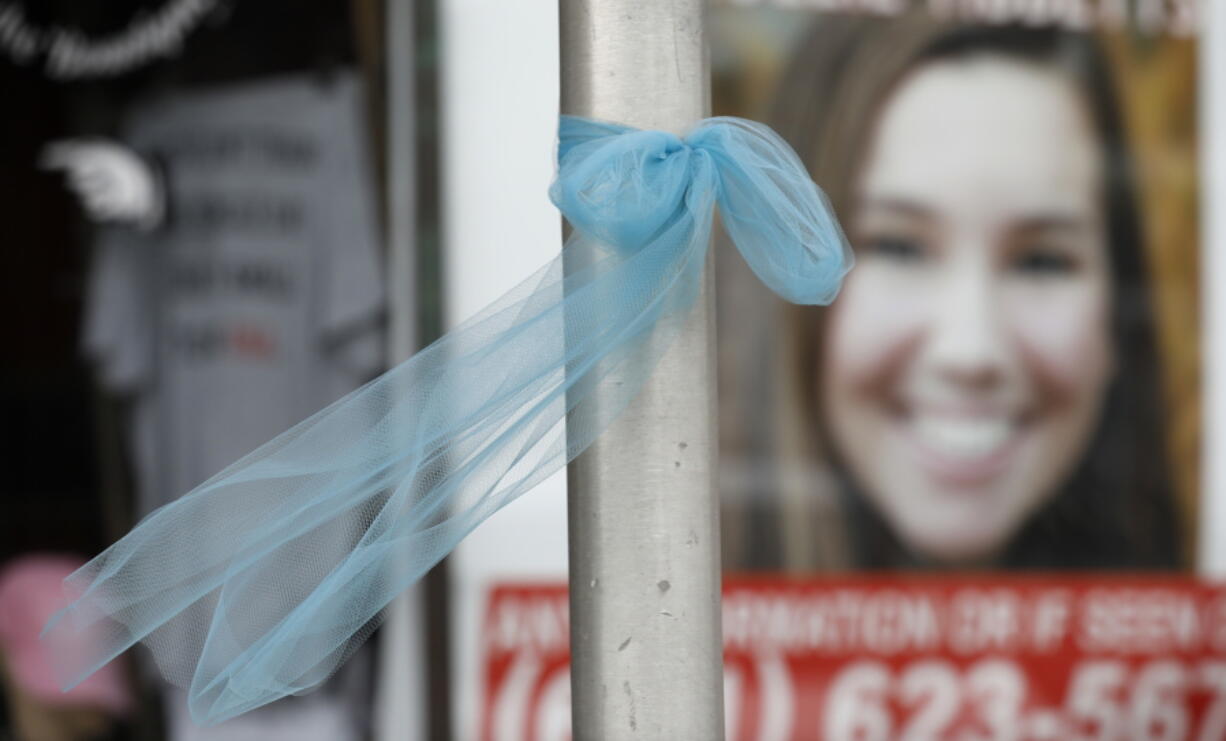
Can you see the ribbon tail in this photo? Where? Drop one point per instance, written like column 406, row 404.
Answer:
column 261, row 581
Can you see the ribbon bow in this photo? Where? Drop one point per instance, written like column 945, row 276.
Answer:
column 622, row 186
column 259, row 582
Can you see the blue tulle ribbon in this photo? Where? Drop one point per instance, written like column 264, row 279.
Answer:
column 261, row 581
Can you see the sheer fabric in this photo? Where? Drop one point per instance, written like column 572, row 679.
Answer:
column 246, row 565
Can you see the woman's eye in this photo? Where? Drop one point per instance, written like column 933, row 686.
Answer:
column 1042, row 261
column 902, row 249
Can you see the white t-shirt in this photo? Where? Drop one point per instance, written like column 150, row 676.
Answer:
column 259, row 302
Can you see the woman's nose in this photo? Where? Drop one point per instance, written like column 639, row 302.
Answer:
column 966, row 343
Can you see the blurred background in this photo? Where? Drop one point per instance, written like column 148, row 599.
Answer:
column 221, row 215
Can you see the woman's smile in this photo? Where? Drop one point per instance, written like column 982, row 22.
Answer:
column 961, row 450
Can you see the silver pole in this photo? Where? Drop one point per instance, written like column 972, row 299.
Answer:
column 643, row 515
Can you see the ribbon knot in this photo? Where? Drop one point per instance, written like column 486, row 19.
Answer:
column 620, row 185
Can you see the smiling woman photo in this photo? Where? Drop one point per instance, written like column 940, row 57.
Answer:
column 985, row 391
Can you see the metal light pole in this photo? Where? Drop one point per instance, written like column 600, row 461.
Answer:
column 643, row 515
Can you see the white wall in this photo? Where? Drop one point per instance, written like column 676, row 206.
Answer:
column 1213, row 285
column 499, row 67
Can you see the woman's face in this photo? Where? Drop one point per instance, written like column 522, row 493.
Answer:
column 968, row 354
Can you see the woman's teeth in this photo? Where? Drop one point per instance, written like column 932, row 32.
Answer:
column 962, row 437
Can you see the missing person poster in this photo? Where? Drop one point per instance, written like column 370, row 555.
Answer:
column 1001, row 410
column 960, row 502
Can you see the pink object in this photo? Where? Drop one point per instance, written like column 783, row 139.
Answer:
column 31, row 590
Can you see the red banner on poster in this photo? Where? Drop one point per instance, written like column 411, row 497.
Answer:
column 935, row 659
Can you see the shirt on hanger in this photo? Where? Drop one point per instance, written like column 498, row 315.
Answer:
column 259, row 302
column 256, row 304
